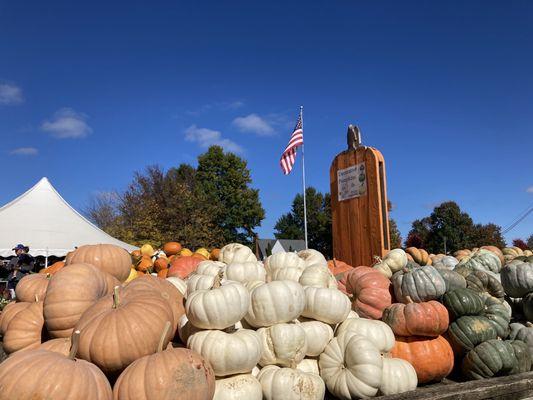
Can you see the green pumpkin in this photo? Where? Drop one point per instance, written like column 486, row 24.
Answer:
column 483, row 260
column 480, row 281
column 516, row 307
column 523, row 358
column 517, row 278
column 422, row 283
column 527, row 306
column 468, row 331
column 523, row 333
column 460, row 302
column 446, row 262
column 490, row 358
column 498, row 314
column 452, row 279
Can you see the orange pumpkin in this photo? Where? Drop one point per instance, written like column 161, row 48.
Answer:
column 432, row 358
column 171, row 248
column 52, row 269
column 182, row 267
column 215, row 253
column 338, row 268
column 420, row 256
column 160, row 264
column 25, row 329
column 417, row 319
column 9, row 312
column 370, row 290
column 32, row 287
column 144, row 265
column 109, row 258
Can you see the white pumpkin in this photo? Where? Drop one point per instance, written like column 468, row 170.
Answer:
column 285, row 274
column 228, row 353
column 327, row 305
column 317, row 334
column 282, row 344
column 200, row 282
column 283, row 260
column 378, row 332
column 394, row 261
column 238, row 387
column 179, row 284
column 236, row 252
column 251, row 285
column 256, row 370
column 398, row 376
column 316, row 275
column 309, row 365
column 290, row 384
column 274, row 303
column 211, row 268
column 218, row 308
column 312, row 257
column 186, row 328
column 246, row 271
column 351, row 367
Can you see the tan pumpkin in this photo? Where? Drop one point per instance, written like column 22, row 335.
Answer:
column 32, row 287
column 25, row 329
column 70, row 292
column 109, row 258
column 59, row 345
column 420, row 256
column 9, row 312
column 43, row 374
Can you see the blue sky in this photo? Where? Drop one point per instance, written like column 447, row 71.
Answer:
column 92, row 91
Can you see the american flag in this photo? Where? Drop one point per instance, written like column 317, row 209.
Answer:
column 288, row 158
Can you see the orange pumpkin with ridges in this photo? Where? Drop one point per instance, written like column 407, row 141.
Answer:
column 182, row 267
column 370, row 290
column 429, row 318
column 109, row 258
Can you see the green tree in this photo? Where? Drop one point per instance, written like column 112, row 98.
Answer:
column 486, row 235
column 394, row 233
column 529, row 242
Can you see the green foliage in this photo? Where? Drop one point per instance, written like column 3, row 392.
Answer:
column 529, row 242
column 395, row 236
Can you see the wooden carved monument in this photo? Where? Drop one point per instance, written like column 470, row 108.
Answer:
column 360, row 216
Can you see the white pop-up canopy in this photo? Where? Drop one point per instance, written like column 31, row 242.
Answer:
column 42, row 220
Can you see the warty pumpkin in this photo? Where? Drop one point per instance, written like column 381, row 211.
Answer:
column 282, row 344
column 32, row 287
column 417, row 319
column 238, row 387
column 370, row 291
column 109, row 258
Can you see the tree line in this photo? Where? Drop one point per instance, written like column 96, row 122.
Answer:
column 214, row 204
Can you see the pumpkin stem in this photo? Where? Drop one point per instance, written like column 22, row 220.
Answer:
column 115, row 297
column 409, row 299
column 75, row 341
column 36, row 298
column 218, row 280
column 164, row 334
column 334, row 262
column 230, row 329
column 48, row 275
column 377, row 259
column 529, row 324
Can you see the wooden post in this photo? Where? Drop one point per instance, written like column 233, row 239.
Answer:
column 360, row 216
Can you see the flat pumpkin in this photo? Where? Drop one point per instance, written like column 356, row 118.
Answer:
column 109, row 258
column 488, row 359
column 461, row 302
column 417, row 319
column 370, row 291
column 468, row 331
column 420, row 283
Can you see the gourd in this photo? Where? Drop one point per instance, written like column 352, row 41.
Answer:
column 378, row 332
column 246, row 271
column 418, row 283
column 461, row 302
column 107, row 257
column 238, row 387
column 219, row 307
column 24, row 330
column 393, row 261
column 275, row 302
column 468, row 331
column 351, row 366
column 370, row 290
column 318, row 335
column 517, row 278
column 244, row 356
column 312, row 257
column 282, row 344
column 290, row 384
column 32, row 286
column 398, row 376
column 235, row 252
column 483, row 260
column 417, row 319
column 327, row 305
column 420, row 256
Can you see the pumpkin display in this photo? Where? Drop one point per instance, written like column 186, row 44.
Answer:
column 9, row 312
column 432, row 358
column 274, row 303
column 370, row 290
column 398, row 377
column 483, row 260
column 517, row 278
column 52, row 269
column 378, row 332
column 46, row 374
column 461, row 302
column 236, row 252
column 59, row 345
column 490, row 358
column 290, row 384
column 327, row 305
column 317, row 335
column 72, row 291
column 246, row 271
column 109, row 258
column 312, row 257
column 468, row 331
column 421, row 284
column 245, row 355
column 32, row 287
column 351, row 367
column 24, row 330
column 282, row 344
column 445, row 262
column 453, row 279
column 420, row 256
column 182, row 267
column 238, row 387
column 393, row 261
column 171, row 248
column 417, row 319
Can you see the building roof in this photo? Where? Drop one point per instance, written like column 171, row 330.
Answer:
column 267, row 245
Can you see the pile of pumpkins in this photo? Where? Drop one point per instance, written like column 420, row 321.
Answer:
column 292, row 327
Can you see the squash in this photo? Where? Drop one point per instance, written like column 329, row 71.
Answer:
column 317, row 335
column 215, row 346
column 275, row 302
column 282, row 344
column 52, row 269
column 290, row 384
column 70, row 292
column 483, row 260
column 182, row 267
column 59, row 345
column 43, row 374
column 378, row 332
column 25, row 329
column 418, row 283
column 370, row 290
column 219, row 307
column 327, row 305
column 420, row 256
column 246, row 271
column 453, row 279
column 109, row 258
column 468, row 331
column 351, row 367
column 460, row 302
column 490, row 358
column 446, row 262
column 393, row 261
column 235, row 252
column 398, row 377
column 517, row 278
column 238, row 387
column 432, row 358
column 417, row 319
column 171, row 248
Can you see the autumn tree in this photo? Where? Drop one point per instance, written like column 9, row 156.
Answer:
column 520, row 244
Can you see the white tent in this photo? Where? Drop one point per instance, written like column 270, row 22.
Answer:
column 42, row 220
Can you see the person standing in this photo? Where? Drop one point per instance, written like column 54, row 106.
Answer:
column 19, row 266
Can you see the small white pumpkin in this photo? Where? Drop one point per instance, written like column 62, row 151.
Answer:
column 394, row 261
column 236, row 252
column 316, row 275
column 282, row 344
column 228, row 353
column 309, row 365
column 317, row 334
column 238, row 387
column 351, row 367
column 285, row 274
column 275, row 302
column 211, row 268
column 283, row 260
column 179, row 284
column 246, row 271
column 398, row 376
column 312, row 257
column 378, row 332
column 200, row 282
column 290, row 384
column 327, row 305
column 218, row 308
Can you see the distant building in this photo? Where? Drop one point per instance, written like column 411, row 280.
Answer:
column 267, row 247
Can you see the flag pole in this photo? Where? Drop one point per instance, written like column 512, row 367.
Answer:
column 303, row 177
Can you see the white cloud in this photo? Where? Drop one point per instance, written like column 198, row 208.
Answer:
column 529, row 189
column 10, row 94
column 24, row 151
column 208, row 137
column 67, row 124
column 253, row 123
